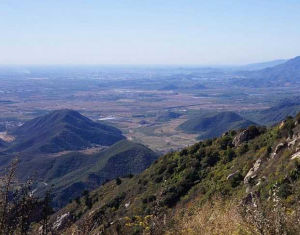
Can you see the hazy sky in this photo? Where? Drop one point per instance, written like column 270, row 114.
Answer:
column 148, row 31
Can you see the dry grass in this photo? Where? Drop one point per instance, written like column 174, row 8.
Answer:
column 215, row 218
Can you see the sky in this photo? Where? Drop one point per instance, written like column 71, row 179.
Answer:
column 181, row 32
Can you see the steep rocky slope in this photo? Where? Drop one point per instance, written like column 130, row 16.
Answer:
column 240, row 183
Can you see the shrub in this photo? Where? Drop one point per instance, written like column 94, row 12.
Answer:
column 148, row 199
column 225, row 141
column 77, row 200
column 88, row 201
column 115, row 203
column 193, row 149
column 171, row 167
column 253, row 131
column 298, row 117
column 118, row 181
column 158, row 179
column 284, row 190
column 243, row 149
column 236, row 180
column 229, row 155
column 211, row 159
column 162, row 169
column 183, row 152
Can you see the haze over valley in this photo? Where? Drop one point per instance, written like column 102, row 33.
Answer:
column 146, row 103
column 149, row 117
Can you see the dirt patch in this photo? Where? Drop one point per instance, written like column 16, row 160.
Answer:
column 5, row 137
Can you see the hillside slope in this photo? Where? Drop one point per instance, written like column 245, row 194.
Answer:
column 73, row 173
column 212, row 125
column 2, row 143
column 276, row 113
column 240, row 183
column 63, row 130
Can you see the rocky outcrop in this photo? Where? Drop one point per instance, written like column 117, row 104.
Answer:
column 248, row 134
column 296, row 155
column 252, row 173
column 231, row 175
column 61, row 221
column 294, row 141
column 281, row 125
column 278, row 148
column 240, row 138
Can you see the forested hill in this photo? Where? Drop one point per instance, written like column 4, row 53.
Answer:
column 63, row 130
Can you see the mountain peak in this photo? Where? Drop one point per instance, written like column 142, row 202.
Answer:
column 62, row 113
column 61, row 130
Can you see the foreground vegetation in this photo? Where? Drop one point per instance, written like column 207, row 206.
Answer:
column 244, row 182
column 227, row 185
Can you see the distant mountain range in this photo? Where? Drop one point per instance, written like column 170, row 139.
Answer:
column 62, row 130
column 262, row 65
column 283, row 74
column 212, row 125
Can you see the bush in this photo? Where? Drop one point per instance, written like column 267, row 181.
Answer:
column 229, row 155
column 183, row 152
column 162, row 169
column 211, row 159
column 225, row 141
column 194, row 148
column 253, row 131
column 285, row 189
column 118, row 181
column 158, row 179
column 236, row 180
column 77, row 200
column 149, row 199
column 298, row 118
column 115, row 203
column 88, row 201
column 243, row 149
column 171, row 167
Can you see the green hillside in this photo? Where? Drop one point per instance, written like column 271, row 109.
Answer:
column 240, row 183
column 75, row 172
column 214, row 124
column 72, row 173
column 63, row 130
column 48, row 147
